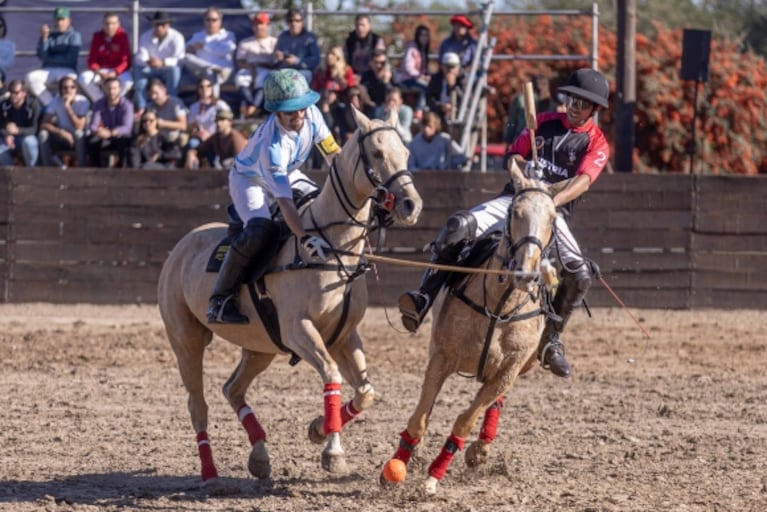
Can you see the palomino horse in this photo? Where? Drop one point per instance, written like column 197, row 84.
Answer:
column 489, row 326
column 319, row 306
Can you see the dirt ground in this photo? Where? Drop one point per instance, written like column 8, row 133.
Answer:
column 94, row 417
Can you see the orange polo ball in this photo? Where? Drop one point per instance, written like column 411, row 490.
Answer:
column 394, row 471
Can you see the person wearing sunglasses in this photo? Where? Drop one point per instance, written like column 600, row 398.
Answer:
column 19, row 116
column 569, row 145
column 63, row 125
column 210, row 52
column 297, row 47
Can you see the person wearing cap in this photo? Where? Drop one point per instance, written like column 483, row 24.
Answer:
column 57, row 49
column 446, row 89
column 297, row 47
column 570, row 146
column 361, row 43
column 109, row 56
column 210, row 52
column 219, row 150
column 159, row 55
column 254, row 58
column 460, row 41
column 267, row 171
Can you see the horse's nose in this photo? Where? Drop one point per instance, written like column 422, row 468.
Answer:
column 526, row 280
column 409, row 207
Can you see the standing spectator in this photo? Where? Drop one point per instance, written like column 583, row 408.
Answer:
column 360, row 44
column 202, row 113
column 335, row 75
column 446, row 88
column 57, row 50
column 297, row 47
column 414, row 67
column 109, row 57
column 210, row 52
column 433, row 149
column 403, row 113
column 220, row 149
column 379, row 78
column 255, row 57
column 112, row 125
column 19, row 116
column 151, row 148
column 171, row 112
column 159, row 56
column 460, row 41
column 63, row 125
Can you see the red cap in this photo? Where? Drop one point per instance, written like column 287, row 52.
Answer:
column 262, row 17
column 461, row 19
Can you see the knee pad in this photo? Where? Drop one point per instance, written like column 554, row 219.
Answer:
column 459, row 231
column 256, row 235
column 579, row 278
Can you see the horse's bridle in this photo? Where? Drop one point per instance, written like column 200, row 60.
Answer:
column 515, row 246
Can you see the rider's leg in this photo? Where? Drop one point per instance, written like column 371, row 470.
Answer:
column 247, row 245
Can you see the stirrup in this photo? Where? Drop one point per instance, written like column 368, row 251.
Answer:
column 412, row 314
column 560, row 366
column 224, row 311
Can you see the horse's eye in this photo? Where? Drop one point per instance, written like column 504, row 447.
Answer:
column 378, row 154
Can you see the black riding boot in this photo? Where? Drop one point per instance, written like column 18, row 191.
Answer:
column 551, row 349
column 246, row 246
column 414, row 305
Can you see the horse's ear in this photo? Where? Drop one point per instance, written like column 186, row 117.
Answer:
column 363, row 122
column 517, row 176
column 392, row 121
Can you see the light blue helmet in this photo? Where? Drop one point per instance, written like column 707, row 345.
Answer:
column 286, row 90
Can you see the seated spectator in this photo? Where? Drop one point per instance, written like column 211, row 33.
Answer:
column 297, row 47
column 111, row 127
column 109, row 57
column 379, row 78
column 414, row 67
column 4, row 94
column 202, row 113
column 220, row 149
column 159, row 56
column 209, row 52
column 433, row 149
column 57, row 50
column 460, row 41
column 151, row 149
column 515, row 116
column 361, row 43
column 403, row 113
column 335, row 75
column 171, row 112
column 19, row 116
column 63, row 125
column 255, row 58
column 446, row 89
column 343, row 119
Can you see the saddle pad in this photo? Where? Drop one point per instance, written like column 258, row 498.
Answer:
column 216, row 258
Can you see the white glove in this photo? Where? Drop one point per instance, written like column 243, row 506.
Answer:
column 316, row 247
column 534, row 169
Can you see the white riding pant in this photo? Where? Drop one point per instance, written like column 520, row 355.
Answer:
column 39, row 80
column 491, row 216
column 91, row 84
column 251, row 200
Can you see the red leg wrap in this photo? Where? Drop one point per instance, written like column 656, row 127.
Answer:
column 438, row 468
column 206, row 457
column 332, row 421
column 406, row 446
column 348, row 413
column 490, row 422
column 252, row 426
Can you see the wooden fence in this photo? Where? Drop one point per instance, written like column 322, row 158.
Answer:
column 101, row 236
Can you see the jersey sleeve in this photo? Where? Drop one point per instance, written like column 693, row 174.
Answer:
column 597, row 154
column 321, row 135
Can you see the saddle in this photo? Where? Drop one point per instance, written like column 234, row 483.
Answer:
column 480, row 252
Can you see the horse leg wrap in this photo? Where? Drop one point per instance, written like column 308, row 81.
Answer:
column 206, row 457
column 332, row 422
column 438, row 468
column 407, row 444
column 252, row 426
column 490, row 422
column 348, row 413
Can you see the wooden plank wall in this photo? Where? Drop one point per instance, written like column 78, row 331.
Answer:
column 661, row 241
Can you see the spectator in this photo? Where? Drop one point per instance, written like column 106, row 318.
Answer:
column 361, row 43
column 433, row 149
column 515, row 121
column 297, row 47
column 335, row 75
column 110, row 56
column 57, row 50
column 159, row 56
column 460, row 41
column 446, row 88
column 255, row 57
column 202, row 113
column 414, row 67
column 403, row 113
column 4, row 94
column 209, row 52
column 112, row 126
column 343, row 119
column 19, row 116
column 151, row 148
column 378, row 79
column 171, row 112
column 220, row 149
column 63, row 125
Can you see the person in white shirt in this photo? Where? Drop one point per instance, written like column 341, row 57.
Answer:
column 159, row 54
column 254, row 60
column 209, row 53
column 266, row 172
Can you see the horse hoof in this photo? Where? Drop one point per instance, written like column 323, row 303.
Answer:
column 430, row 485
column 258, row 461
column 334, row 463
column 477, row 454
column 315, row 430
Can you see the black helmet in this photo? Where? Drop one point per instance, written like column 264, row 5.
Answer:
column 588, row 84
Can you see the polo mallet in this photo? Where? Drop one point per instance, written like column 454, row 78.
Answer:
column 530, row 122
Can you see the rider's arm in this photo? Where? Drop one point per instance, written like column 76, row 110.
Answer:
column 573, row 190
column 289, row 212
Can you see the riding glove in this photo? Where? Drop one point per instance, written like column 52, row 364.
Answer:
column 316, row 247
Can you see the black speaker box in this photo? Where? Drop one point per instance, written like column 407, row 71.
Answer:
column 696, row 47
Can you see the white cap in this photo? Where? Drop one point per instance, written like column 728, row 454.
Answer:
column 451, row 59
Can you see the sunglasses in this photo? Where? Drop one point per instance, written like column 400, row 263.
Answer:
column 17, row 91
column 204, row 86
column 147, row 119
column 295, row 20
column 212, row 19
column 68, row 87
column 578, row 103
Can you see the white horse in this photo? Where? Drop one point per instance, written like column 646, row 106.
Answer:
column 319, row 306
